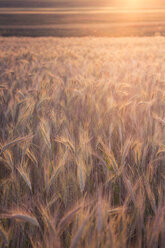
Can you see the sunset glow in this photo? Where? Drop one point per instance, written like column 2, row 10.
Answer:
column 82, row 123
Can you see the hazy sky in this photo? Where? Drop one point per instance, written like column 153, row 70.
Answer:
column 45, row 3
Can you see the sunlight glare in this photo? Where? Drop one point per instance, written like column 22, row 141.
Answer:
column 134, row 3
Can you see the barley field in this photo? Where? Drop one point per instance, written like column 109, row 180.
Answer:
column 82, row 142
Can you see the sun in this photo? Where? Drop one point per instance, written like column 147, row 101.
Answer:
column 134, row 3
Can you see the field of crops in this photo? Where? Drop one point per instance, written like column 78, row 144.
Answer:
column 82, row 142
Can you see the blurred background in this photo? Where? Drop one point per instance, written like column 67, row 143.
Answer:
column 67, row 18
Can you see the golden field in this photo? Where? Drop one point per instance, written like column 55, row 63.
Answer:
column 82, row 138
